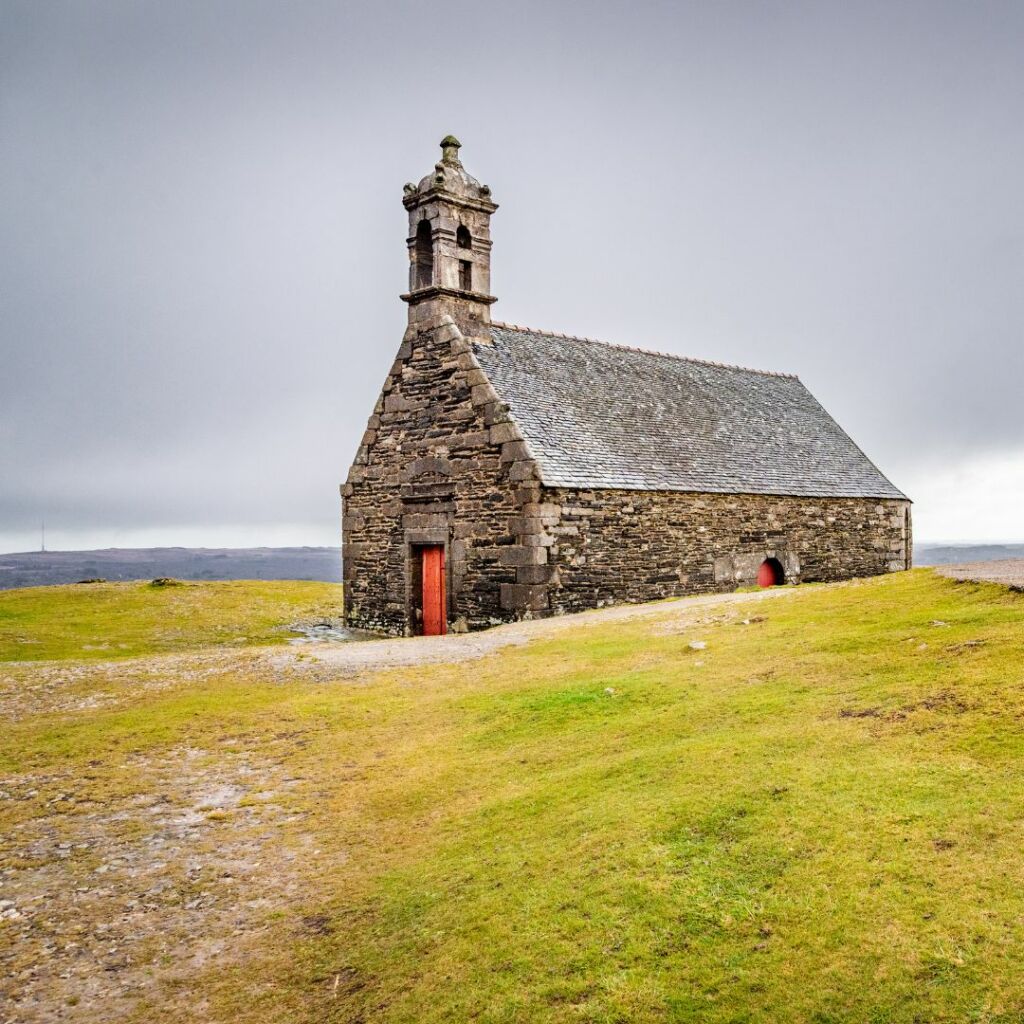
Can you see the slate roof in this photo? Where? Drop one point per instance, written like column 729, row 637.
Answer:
column 601, row 415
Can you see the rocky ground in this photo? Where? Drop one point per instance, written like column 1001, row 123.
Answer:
column 105, row 897
column 121, row 883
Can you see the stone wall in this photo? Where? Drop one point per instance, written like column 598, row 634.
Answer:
column 440, row 463
column 609, row 546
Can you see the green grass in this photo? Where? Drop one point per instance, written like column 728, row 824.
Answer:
column 818, row 818
column 117, row 620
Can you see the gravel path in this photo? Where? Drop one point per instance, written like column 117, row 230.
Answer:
column 43, row 687
column 1004, row 570
column 369, row 655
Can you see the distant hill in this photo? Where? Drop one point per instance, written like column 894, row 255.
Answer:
column 42, row 568
column 953, row 554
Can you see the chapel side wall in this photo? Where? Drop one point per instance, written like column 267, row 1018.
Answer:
column 611, row 546
column 440, row 462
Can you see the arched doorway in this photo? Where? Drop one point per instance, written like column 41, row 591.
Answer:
column 770, row 574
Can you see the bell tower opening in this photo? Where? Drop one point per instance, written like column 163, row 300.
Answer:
column 463, row 238
column 423, row 257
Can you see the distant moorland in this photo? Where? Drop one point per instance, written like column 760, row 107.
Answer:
column 42, row 568
column 954, row 554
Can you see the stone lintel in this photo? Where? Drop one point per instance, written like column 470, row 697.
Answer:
column 426, row 535
column 470, row 439
column 435, row 464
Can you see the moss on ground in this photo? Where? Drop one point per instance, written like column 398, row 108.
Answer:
column 815, row 818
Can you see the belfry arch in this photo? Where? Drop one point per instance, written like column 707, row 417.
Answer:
column 423, row 256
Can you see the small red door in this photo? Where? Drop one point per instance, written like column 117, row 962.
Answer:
column 435, row 619
column 770, row 574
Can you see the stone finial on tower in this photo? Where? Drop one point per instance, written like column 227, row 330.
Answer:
column 450, row 243
column 450, row 147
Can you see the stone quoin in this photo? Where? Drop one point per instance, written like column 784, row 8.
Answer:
column 510, row 473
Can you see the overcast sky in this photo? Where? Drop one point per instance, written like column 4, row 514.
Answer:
column 204, row 242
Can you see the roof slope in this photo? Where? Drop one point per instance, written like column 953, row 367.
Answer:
column 600, row 415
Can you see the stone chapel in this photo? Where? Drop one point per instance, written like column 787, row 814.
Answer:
column 508, row 472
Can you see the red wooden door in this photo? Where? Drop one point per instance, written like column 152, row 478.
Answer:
column 435, row 619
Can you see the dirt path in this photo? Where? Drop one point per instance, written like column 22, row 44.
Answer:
column 1009, row 571
column 367, row 656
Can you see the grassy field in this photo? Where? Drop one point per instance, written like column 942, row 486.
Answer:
column 817, row 817
column 120, row 620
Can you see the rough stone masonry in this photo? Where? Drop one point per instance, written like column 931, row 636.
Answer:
column 560, row 473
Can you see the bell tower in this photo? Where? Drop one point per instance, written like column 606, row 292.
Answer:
column 450, row 244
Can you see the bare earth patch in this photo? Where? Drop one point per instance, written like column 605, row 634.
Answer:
column 107, row 897
column 48, row 687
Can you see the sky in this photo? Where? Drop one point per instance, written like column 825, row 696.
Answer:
column 204, row 241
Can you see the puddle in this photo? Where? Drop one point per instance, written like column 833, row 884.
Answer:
column 330, row 632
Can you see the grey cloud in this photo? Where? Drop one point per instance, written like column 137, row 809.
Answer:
column 204, row 241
